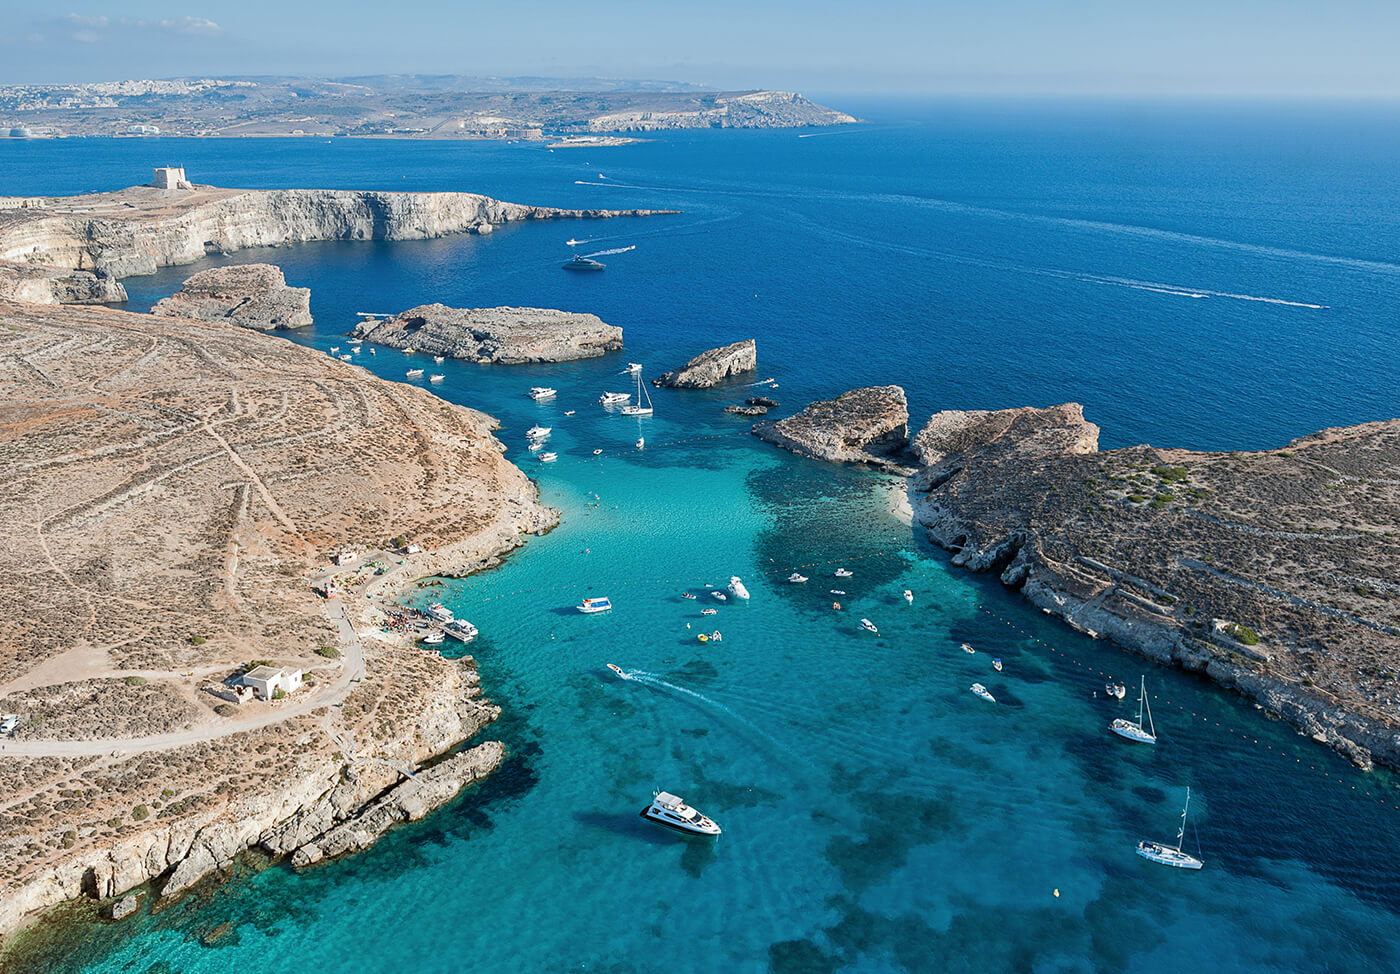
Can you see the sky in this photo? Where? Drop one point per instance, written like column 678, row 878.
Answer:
column 1317, row 48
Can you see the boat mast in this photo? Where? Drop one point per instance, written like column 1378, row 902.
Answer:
column 1144, row 705
column 1181, row 832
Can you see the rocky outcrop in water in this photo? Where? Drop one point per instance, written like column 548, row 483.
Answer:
column 710, row 368
column 36, row 284
column 1269, row 572
column 249, row 295
column 137, row 230
column 505, row 336
column 868, row 426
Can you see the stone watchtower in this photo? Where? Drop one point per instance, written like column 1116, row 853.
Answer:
column 171, row 177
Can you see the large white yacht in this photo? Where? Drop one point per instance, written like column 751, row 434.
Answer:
column 668, row 810
column 736, row 588
column 538, row 393
column 460, row 630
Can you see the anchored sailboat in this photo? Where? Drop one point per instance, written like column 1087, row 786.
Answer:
column 1171, row 855
column 642, row 407
column 1134, row 730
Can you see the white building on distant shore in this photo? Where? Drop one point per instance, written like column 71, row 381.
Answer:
column 267, row 680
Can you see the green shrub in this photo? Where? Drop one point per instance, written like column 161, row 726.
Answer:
column 114, row 823
column 329, row 652
column 1362, row 590
column 253, row 664
column 70, row 839
column 135, row 681
column 197, row 640
column 1170, row 474
column 167, row 793
column 223, row 710
column 1243, row 634
column 278, row 694
column 1137, row 498
column 140, row 813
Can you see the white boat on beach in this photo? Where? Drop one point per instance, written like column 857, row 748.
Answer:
column 538, row 432
column 736, row 588
column 590, row 606
column 1172, row 855
column 869, row 626
column 615, row 398
column 541, row 393
column 797, row 578
column 982, row 692
column 1135, row 730
column 668, row 810
column 414, row 373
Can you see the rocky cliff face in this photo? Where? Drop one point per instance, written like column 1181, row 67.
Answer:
column 137, row 230
column 506, row 336
column 1269, row 572
column 248, row 295
column 36, row 284
column 710, row 368
column 861, row 426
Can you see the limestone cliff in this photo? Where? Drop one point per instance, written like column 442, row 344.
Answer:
column 247, row 295
column 1271, row 572
column 136, row 230
column 506, row 336
column 37, row 284
column 712, row 367
column 868, row 426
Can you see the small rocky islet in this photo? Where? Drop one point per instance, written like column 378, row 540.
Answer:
column 502, row 336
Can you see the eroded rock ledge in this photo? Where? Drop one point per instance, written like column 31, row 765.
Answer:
column 37, row 284
column 507, row 336
column 868, row 426
column 712, row 367
column 1272, row 572
column 249, row 295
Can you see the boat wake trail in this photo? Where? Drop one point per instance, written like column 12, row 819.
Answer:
column 1192, row 292
column 615, row 250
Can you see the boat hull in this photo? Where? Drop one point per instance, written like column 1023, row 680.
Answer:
column 1166, row 856
column 1131, row 732
column 682, row 829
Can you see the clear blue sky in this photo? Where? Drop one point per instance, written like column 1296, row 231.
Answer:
column 1239, row 47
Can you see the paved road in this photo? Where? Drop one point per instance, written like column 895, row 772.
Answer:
column 353, row 658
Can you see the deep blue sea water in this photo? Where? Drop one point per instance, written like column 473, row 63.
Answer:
column 1202, row 276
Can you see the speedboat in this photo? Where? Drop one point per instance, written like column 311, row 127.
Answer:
column 1171, row 855
column 440, row 612
column 409, row 351
column 334, row 349
column 373, row 352
column 618, row 670
column 838, row 591
column 434, row 638
column 346, row 358
column 414, row 373
column 538, row 432
column 996, row 665
column 668, row 810
column 539, row 393
column 909, row 596
column 582, row 263
column 688, row 595
column 597, row 453
column 967, row 648
column 736, row 588
column 720, row 595
column 614, row 398
column 438, row 359
column 632, row 367
column 641, row 442
column 708, row 612
column 548, row 457
column 843, row 573
column 589, row 606
column 569, row 412
column 982, row 692
column 435, row 378
column 869, row 626
column 797, row 578
column 461, row 630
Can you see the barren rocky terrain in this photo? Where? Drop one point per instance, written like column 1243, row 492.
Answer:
column 869, row 426
column 506, row 336
column 173, row 487
column 711, row 367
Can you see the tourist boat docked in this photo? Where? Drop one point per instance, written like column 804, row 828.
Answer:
column 414, row 373
column 615, row 398
column 435, row 377
column 843, row 573
column 582, row 263
column 967, row 648
column 539, row 393
column 599, row 604
column 440, row 612
column 982, row 692
column 637, row 409
column 736, row 588
column 460, row 630
column 668, row 810
column 996, row 665
column 538, row 432
column 548, row 457
column 1172, row 855
column 869, row 626
column 618, row 670
column 1134, row 730
column 909, row 596
column 797, row 578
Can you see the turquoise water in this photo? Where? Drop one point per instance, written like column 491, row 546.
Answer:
column 877, row 815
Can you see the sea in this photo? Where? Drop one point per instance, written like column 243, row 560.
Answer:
column 1208, row 275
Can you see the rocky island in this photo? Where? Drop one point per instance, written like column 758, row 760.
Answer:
column 249, row 295
column 506, row 336
column 712, row 367
column 869, row 426
column 178, row 491
column 1272, row 572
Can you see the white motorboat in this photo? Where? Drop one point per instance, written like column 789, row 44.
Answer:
column 409, row 351
column 599, row 604
column 838, row 591
column 641, row 442
column 540, row 393
column 334, row 349
column 548, row 457
column 615, row 398
column 618, row 670
column 435, row 377
column 909, row 596
column 633, row 367
column 996, row 665
column 460, row 630
column 983, row 692
column 440, row 612
column 373, row 352
column 569, row 412
column 668, row 810
column 538, row 432
column 720, row 595
column 356, row 341
column 967, row 648
column 346, row 358
column 1117, row 690
column 414, row 373
column 434, row 638
column 869, row 626
column 843, row 573
column 709, row 612
column 1135, row 730
column 355, row 349
column 797, row 578
column 1172, row 855
column 736, row 588
column 438, row 359
column 597, row 453
column 638, row 408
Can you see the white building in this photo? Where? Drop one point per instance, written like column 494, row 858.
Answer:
column 143, row 130
column 267, row 680
column 347, row 557
column 171, row 177
column 21, row 203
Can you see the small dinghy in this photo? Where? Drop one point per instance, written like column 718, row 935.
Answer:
column 642, row 443
column 982, row 692
column 797, row 578
column 869, row 626
column 1116, row 690
column 721, row 596
column 548, row 457
column 909, row 596
column 996, row 665
column 708, row 612
column 668, row 810
column 838, row 591
column 597, row 453
column 569, row 412
column 967, row 648
column 689, row 595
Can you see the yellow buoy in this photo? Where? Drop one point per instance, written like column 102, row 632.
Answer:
column 1057, row 894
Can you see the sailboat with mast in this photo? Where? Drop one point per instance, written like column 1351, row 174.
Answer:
column 1135, row 730
column 1171, row 855
column 642, row 407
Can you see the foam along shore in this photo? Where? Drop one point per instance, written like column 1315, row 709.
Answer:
column 134, row 231
column 211, row 476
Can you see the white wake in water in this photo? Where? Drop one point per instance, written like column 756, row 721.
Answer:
column 615, row 250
